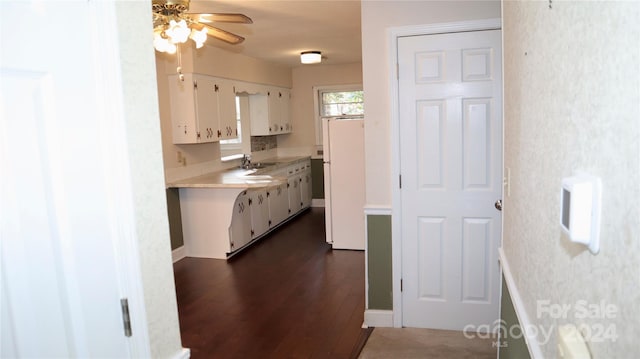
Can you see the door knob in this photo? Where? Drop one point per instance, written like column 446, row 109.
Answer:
column 498, row 205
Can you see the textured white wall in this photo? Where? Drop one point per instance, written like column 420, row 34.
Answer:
column 377, row 17
column 572, row 103
column 147, row 178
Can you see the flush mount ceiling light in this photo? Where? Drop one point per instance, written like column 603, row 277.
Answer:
column 173, row 24
column 311, row 57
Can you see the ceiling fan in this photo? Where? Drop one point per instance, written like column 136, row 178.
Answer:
column 174, row 24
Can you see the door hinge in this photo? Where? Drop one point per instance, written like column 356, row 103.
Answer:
column 400, row 180
column 126, row 319
column 397, row 71
column 195, row 84
column 401, row 285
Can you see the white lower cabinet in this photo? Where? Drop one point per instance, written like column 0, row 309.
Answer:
column 293, row 186
column 305, row 188
column 212, row 228
column 278, row 204
column 240, row 229
column 259, row 205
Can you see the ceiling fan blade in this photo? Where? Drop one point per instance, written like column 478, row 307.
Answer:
column 225, row 36
column 221, row 17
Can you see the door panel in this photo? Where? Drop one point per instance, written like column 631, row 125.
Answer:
column 477, row 143
column 451, row 155
column 65, row 204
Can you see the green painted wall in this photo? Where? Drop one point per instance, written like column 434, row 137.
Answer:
column 175, row 220
column 379, row 262
column 511, row 346
column 317, row 178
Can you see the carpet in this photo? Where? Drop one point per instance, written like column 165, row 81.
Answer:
column 408, row 343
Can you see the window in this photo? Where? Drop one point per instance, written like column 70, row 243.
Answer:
column 340, row 101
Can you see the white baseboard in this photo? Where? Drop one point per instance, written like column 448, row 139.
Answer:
column 178, row 253
column 532, row 343
column 317, row 202
column 378, row 318
column 185, row 353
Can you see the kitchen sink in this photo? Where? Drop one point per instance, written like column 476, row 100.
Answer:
column 258, row 165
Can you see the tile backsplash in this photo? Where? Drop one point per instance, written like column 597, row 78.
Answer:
column 263, row 143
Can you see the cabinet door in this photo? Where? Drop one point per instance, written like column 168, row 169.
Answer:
column 285, row 103
column 275, row 111
column 184, row 128
column 240, row 229
column 227, row 121
column 206, row 108
column 305, row 187
column 259, row 115
column 278, row 204
column 293, row 186
column 259, row 212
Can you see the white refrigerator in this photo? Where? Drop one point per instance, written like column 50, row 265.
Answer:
column 344, row 185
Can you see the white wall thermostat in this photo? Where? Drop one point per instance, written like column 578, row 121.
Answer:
column 580, row 200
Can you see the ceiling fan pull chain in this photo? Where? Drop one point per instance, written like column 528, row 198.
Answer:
column 179, row 69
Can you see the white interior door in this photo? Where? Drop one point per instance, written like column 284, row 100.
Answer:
column 450, row 100
column 62, row 186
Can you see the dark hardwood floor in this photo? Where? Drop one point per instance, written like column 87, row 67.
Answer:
column 287, row 296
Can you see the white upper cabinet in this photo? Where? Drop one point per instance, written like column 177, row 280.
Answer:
column 202, row 109
column 227, row 124
column 269, row 112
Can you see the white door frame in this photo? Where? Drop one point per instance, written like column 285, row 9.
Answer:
column 112, row 116
column 396, row 231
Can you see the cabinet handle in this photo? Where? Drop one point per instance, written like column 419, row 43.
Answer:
column 219, row 133
column 215, row 88
column 198, row 135
column 250, row 201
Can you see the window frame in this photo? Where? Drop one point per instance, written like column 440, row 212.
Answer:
column 317, row 104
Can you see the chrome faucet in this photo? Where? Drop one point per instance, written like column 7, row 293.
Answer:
column 246, row 161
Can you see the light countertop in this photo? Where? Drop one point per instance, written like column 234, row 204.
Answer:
column 240, row 178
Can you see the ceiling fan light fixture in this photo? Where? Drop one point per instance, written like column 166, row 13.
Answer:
column 310, row 57
column 178, row 31
column 175, row 25
column 162, row 43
